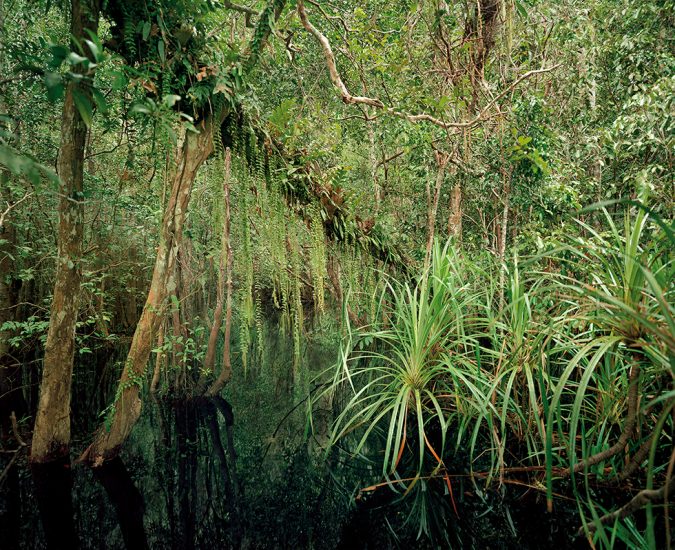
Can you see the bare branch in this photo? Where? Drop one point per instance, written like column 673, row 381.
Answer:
column 482, row 115
column 347, row 97
column 644, row 497
column 350, row 99
column 10, row 207
column 242, row 9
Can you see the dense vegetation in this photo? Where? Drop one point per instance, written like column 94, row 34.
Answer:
column 337, row 274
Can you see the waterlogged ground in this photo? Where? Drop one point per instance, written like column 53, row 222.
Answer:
column 244, row 472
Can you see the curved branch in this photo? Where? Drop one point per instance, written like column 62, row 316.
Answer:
column 644, row 497
column 350, row 99
column 628, row 430
column 347, row 97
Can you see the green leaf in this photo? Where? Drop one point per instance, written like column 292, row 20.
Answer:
column 120, row 81
column 99, row 99
column 84, row 107
column 54, row 84
column 59, row 54
column 160, row 49
column 93, row 48
column 171, row 99
column 95, row 45
column 76, row 59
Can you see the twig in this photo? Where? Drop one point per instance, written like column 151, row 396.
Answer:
column 11, row 207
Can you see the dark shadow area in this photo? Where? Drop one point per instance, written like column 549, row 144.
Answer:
column 53, row 482
column 127, row 501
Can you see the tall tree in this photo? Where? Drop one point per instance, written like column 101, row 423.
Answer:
column 51, row 437
column 50, row 452
column 126, row 408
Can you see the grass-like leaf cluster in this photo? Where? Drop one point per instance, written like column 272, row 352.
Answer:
column 562, row 380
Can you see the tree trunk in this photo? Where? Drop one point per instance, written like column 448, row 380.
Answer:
column 227, row 259
column 51, row 437
column 126, row 408
column 432, row 203
column 127, row 501
column 455, row 217
column 159, row 361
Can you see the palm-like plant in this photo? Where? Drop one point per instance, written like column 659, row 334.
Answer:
column 407, row 374
column 554, row 377
column 621, row 282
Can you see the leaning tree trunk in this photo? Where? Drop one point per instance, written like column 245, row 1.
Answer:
column 51, row 437
column 126, row 408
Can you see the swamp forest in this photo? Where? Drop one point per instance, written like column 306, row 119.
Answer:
column 327, row 274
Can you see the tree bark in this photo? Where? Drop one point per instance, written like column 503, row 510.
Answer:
column 126, row 408
column 51, row 437
column 455, row 218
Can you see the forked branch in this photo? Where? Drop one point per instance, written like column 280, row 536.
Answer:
column 350, row 99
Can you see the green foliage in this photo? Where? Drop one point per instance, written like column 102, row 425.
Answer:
column 544, row 380
column 458, row 375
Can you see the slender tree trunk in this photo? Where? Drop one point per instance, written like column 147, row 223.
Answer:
column 50, row 453
column 127, row 405
column 51, row 437
column 432, row 203
column 455, row 218
column 503, row 228
column 372, row 164
column 159, row 361
column 226, row 261
column 179, row 336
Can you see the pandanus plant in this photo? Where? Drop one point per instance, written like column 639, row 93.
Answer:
column 573, row 371
column 416, row 372
column 614, row 395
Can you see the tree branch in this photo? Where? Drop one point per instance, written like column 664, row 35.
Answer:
column 243, row 9
column 644, row 497
column 347, row 97
column 10, row 207
column 350, row 99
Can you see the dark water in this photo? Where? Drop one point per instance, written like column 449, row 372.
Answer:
column 240, row 471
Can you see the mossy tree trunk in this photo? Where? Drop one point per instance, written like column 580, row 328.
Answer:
column 51, row 436
column 126, row 408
